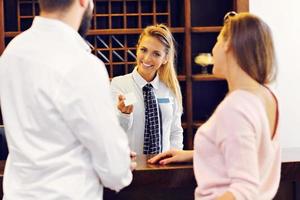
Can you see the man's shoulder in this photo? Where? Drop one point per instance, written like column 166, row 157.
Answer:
column 91, row 59
column 121, row 80
column 18, row 42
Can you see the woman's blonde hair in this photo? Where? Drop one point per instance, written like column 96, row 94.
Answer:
column 166, row 72
column 251, row 41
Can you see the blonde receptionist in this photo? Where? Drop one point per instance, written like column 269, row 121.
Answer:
column 149, row 99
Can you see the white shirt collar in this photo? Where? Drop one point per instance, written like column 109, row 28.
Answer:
column 47, row 23
column 141, row 82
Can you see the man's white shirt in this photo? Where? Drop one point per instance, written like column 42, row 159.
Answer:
column 64, row 139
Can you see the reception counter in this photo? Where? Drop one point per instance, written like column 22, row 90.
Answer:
column 176, row 181
column 154, row 182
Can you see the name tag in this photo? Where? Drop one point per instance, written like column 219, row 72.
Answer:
column 163, row 100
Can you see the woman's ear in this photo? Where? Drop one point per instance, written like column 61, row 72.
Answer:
column 84, row 3
column 227, row 45
column 166, row 60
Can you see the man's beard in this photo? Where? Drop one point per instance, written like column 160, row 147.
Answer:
column 86, row 21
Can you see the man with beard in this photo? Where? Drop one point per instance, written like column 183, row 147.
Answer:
column 63, row 137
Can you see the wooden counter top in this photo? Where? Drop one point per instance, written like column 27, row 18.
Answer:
column 170, row 176
column 176, row 181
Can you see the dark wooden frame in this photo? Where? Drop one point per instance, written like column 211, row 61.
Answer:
column 239, row 6
column 2, row 45
column 186, row 30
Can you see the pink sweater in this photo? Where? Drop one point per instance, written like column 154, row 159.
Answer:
column 234, row 151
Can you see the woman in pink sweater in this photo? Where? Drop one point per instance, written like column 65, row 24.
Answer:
column 237, row 151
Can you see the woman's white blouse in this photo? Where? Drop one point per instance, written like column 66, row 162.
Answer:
column 134, row 123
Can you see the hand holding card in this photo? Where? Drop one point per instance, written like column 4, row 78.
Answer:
column 126, row 101
column 130, row 99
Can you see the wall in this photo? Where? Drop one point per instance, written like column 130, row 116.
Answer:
column 282, row 17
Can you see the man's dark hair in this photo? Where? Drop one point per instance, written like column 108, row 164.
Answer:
column 54, row 5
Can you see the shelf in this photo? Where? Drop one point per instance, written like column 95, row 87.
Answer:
column 206, row 29
column 206, row 77
column 107, row 31
column 116, row 0
column 127, row 31
column 115, row 49
column 130, row 14
column 181, row 77
column 11, row 33
column 120, row 63
column 26, row 17
column 197, row 124
column 28, row 1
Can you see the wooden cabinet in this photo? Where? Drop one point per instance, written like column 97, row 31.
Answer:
column 116, row 26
